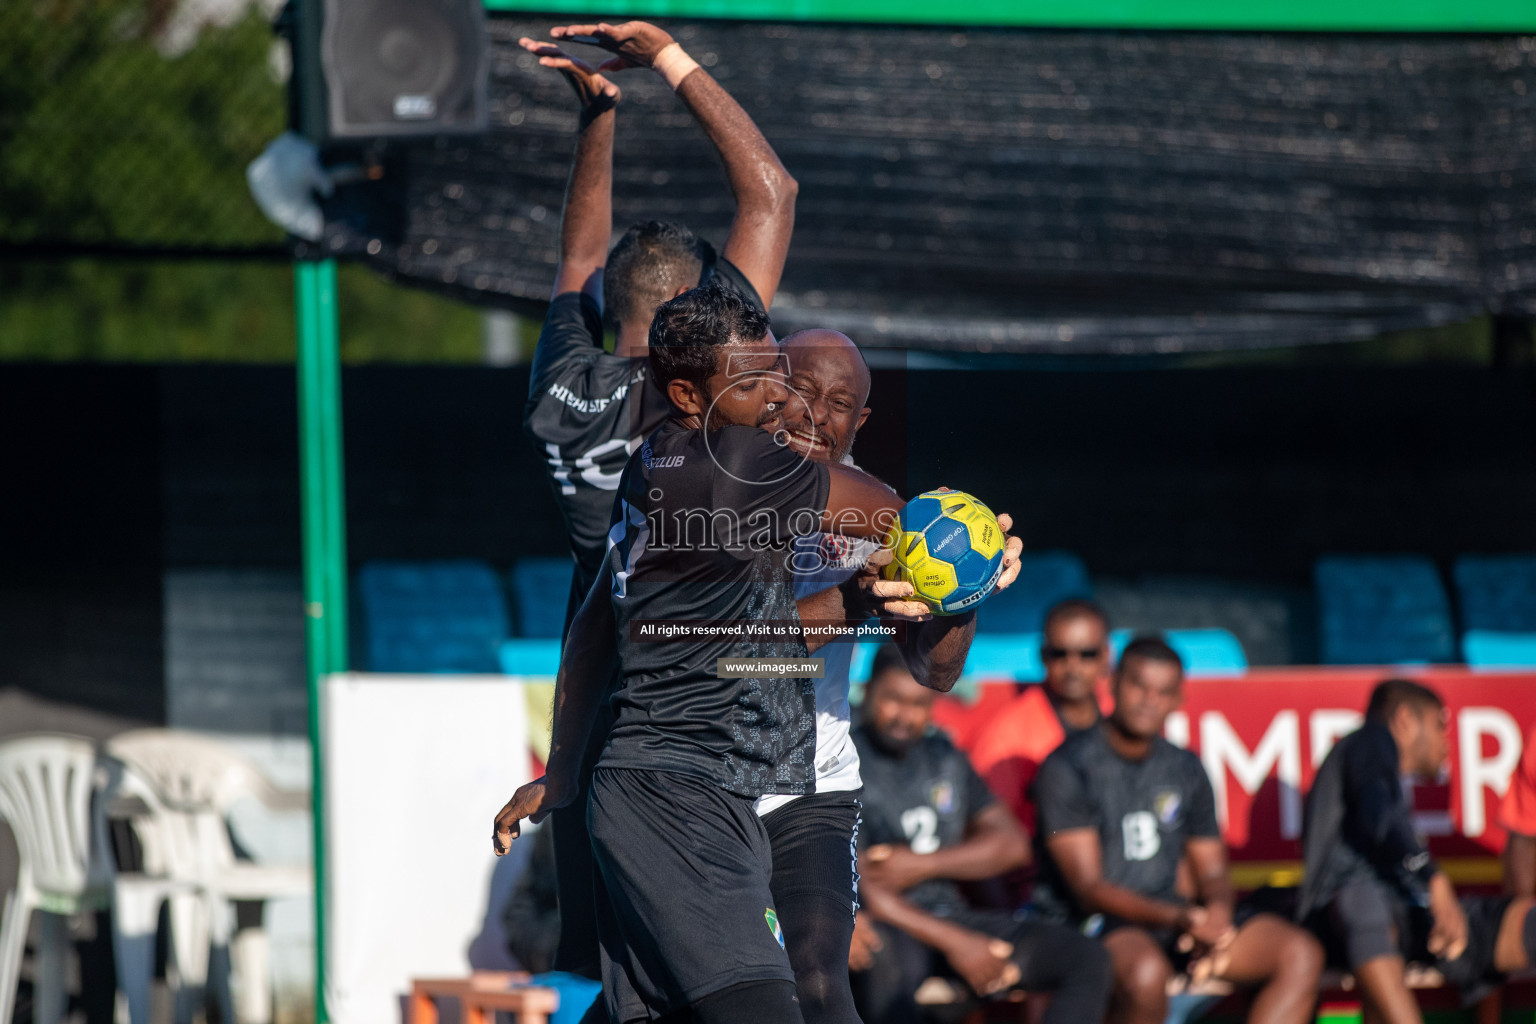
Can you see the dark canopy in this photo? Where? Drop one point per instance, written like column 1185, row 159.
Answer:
column 1004, row 190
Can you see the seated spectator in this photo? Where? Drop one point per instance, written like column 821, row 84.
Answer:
column 1118, row 807
column 1372, row 891
column 1517, row 815
column 1009, row 749
column 929, row 824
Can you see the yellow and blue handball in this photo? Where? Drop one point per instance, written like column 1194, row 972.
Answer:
column 949, row 547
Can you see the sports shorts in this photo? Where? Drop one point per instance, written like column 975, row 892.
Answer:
column 814, row 844
column 686, row 907
column 1367, row 918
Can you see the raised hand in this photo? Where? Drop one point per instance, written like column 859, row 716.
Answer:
column 635, row 44
column 593, row 91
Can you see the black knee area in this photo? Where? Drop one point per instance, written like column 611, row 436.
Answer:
column 1364, row 922
column 818, row 928
column 753, row 1002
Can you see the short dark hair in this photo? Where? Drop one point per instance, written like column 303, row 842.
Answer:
column 1152, row 647
column 647, row 267
column 1391, row 694
column 887, row 657
column 1075, row 608
column 688, row 331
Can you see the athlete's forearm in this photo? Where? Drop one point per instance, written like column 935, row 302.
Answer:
column 935, row 651
column 764, row 191
column 997, row 844
column 889, row 907
column 587, row 220
column 586, row 665
column 858, row 505
column 1103, row 897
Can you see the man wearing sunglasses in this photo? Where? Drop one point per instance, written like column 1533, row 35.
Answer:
column 1075, row 650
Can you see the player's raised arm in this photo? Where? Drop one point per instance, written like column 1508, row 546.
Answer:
column 587, row 220
column 858, row 505
column 586, row 664
column 764, row 191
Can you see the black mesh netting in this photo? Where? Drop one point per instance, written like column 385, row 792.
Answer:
column 1010, row 190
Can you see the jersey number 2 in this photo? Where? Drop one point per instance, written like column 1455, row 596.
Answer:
column 921, row 824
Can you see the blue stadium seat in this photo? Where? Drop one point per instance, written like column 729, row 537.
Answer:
column 540, row 589
column 1497, row 592
column 431, row 616
column 1487, row 649
column 1382, row 610
column 1205, row 652
column 1045, row 577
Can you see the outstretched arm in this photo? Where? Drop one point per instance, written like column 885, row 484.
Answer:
column 586, row 663
column 587, row 220
column 764, row 191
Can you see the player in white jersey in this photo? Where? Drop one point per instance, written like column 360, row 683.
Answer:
column 815, row 885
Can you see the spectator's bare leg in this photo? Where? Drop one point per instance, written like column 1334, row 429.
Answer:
column 1513, row 952
column 1141, row 978
column 1283, row 961
column 1383, row 990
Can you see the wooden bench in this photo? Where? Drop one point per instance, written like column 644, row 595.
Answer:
column 480, row 995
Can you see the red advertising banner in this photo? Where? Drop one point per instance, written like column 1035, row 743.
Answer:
column 1263, row 735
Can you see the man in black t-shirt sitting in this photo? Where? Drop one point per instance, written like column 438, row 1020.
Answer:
column 1118, row 807
column 930, row 823
column 1372, row 890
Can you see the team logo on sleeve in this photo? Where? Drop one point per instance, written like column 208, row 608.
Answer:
column 1167, row 804
column 773, row 926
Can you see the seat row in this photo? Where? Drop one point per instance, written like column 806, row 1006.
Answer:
column 454, row 616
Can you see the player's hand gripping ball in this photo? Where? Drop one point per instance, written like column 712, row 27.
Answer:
column 949, row 547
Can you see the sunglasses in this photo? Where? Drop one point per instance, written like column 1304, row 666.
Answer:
column 1058, row 653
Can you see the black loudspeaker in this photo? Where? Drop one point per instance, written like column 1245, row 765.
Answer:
column 390, row 68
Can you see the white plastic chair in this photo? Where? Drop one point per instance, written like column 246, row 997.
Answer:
column 47, row 784
column 196, row 781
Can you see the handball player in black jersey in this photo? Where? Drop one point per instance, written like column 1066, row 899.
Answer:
column 708, row 508
column 1372, row 891
column 1118, row 808
column 588, row 410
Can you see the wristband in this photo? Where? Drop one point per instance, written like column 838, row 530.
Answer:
column 674, row 64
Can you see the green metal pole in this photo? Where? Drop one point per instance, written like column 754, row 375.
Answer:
column 323, row 502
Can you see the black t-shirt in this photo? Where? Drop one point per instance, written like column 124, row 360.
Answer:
column 1144, row 811
column 923, row 800
column 701, row 535
column 588, row 410
column 1359, row 824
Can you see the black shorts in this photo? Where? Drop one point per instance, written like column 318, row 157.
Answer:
column 1100, row 926
column 689, row 910
column 814, row 843
column 1367, row 918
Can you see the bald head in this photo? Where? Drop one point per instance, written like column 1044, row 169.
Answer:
column 829, row 381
